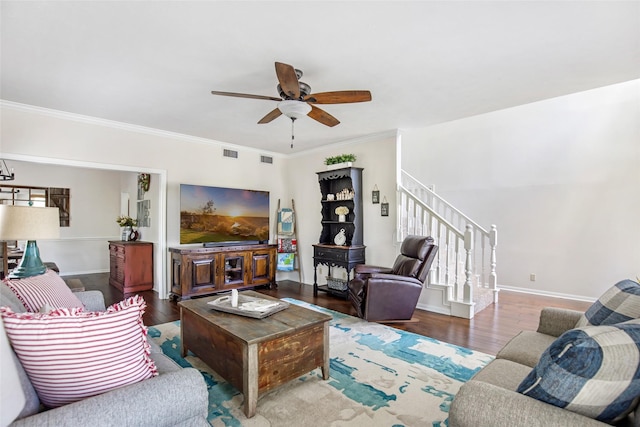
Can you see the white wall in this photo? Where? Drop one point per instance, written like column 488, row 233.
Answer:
column 94, row 201
column 44, row 135
column 560, row 178
column 376, row 154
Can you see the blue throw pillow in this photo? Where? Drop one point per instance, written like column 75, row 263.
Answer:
column 619, row 304
column 594, row 371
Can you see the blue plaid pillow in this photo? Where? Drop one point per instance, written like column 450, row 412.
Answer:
column 594, row 371
column 618, row 304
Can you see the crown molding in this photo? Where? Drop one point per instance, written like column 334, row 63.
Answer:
column 394, row 133
column 64, row 115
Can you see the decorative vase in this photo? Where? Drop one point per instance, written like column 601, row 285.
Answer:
column 125, row 232
column 340, row 239
column 342, row 218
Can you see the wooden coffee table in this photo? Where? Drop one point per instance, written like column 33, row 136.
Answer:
column 256, row 355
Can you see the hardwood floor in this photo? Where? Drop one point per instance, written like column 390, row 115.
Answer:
column 487, row 332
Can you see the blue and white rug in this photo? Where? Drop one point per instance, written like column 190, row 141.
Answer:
column 380, row 376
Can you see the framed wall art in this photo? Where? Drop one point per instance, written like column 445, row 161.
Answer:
column 384, row 207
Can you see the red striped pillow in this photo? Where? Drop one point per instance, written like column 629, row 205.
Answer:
column 70, row 355
column 44, row 289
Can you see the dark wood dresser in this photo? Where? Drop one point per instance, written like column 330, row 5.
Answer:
column 131, row 266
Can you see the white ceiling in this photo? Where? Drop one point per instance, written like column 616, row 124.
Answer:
column 154, row 63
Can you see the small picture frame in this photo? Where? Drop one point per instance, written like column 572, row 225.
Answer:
column 375, row 195
column 384, row 207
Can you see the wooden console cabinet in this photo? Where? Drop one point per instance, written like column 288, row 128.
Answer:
column 199, row 271
column 131, row 266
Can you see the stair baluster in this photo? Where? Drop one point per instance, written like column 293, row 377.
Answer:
column 465, row 268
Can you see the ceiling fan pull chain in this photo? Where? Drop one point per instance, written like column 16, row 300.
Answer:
column 293, row 119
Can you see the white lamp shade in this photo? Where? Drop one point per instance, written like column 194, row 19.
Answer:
column 29, row 223
column 294, row 109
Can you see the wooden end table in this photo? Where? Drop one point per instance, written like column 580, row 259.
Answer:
column 256, row 355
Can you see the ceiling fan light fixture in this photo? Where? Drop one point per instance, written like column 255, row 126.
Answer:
column 294, row 109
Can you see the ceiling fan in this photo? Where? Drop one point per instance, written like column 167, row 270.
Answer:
column 296, row 99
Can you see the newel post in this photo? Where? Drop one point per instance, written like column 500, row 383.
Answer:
column 493, row 278
column 468, row 269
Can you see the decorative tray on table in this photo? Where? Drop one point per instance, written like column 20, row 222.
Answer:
column 257, row 308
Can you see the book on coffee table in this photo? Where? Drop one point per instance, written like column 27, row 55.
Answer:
column 249, row 306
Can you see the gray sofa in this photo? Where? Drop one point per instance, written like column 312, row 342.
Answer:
column 490, row 399
column 176, row 397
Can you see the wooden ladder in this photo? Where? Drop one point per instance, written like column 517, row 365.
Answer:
column 291, row 237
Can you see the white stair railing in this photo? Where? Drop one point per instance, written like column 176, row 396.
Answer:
column 466, row 259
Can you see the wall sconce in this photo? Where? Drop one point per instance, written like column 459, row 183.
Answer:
column 375, row 195
column 144, row 180
column 384, row 207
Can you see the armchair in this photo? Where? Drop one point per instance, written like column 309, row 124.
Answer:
column 382, row 294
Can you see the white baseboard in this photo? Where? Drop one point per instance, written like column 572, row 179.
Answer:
column 76, row 273
column 547, row 293
column 434, row 309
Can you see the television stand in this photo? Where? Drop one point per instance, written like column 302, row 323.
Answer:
column 198, row 271
column 236, row 243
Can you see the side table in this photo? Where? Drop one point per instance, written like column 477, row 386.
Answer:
column 335, row 256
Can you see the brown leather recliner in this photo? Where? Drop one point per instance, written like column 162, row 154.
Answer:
column 387, row 294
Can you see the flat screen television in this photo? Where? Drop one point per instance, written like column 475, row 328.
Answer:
column 224, row 216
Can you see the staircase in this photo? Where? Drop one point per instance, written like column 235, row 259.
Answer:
column 462, row 280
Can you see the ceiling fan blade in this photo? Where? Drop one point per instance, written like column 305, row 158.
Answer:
column 323, row 117
column 288, row 80
column 269, row 117
column 339, row 97
column 245, row 95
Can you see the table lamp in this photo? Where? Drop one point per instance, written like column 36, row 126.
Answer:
column 29, row 223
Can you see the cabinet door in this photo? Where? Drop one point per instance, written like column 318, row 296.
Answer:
column 138, row 266
column 261, row 267
column 235, row 269
column 203, row 273
column 176, row 274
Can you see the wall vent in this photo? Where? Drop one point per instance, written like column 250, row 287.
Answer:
column 266, row 159
column 230, row 153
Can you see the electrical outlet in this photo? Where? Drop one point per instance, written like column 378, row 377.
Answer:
column 532, row 277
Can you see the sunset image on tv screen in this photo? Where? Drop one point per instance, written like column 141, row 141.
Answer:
column 216, row 214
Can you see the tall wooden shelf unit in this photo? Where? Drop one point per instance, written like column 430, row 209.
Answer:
column 327, row 252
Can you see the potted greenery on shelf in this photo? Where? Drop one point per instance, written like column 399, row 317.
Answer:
column 341, row 161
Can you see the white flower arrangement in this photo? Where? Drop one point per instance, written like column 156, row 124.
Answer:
column 342, row 210
column 126, row 221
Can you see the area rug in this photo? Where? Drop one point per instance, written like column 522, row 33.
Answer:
column 380, row 376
